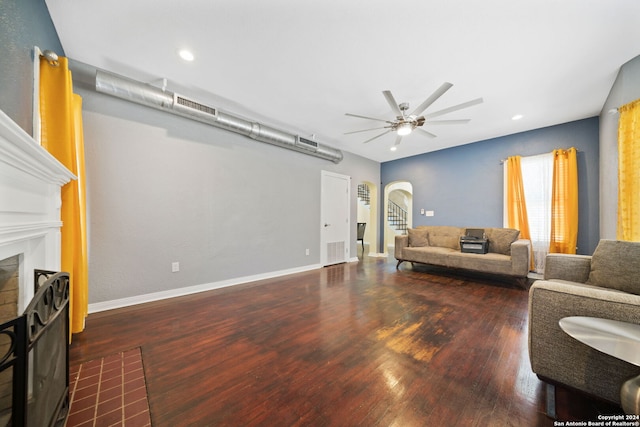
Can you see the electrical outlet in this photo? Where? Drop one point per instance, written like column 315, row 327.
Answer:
column 429, row 213
column 306, row 252
column 175, row 267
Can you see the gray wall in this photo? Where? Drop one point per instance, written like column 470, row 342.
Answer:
column 464, row 185
column 23, row 25
column 625, row 89
column 163, row 188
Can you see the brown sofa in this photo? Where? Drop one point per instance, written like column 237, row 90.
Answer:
column 605, row 285
column 440, row 245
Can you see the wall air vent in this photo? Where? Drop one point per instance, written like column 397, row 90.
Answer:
column 192, row 107
column 307, row 144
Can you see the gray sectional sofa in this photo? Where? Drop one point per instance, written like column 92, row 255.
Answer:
column 440, row 245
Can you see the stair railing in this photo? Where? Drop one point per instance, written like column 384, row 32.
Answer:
column 397, row 217
column 364, row 194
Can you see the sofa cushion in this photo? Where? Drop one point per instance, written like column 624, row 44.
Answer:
column 487, row 263
column 500, row 239
column 428, row 255
column 615, row 265
column 418, row 237
column 445, row 236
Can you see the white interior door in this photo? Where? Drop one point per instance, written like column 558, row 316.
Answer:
column 335, row 218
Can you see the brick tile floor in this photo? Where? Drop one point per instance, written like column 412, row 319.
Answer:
column 109, row 392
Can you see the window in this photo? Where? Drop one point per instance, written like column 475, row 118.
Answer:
column 537, row 176
column 543, row 192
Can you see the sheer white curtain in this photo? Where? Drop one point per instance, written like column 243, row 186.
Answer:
column 537, row 176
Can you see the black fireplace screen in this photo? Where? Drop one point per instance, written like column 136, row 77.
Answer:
column 34, row 368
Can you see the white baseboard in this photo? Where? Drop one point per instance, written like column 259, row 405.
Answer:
column 378, row 255
column 172, row 293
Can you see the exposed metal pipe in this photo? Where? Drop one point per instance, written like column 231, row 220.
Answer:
column 151, row 96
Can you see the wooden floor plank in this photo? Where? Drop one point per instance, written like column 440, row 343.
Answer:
column 352, row 344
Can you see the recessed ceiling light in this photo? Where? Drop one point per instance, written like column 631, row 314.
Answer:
column 394, row 148
column 517, row 117
column 186, row 55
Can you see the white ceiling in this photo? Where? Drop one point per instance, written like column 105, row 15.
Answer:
column 303, row 64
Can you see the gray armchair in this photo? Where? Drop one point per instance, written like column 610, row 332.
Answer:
column 605, row 285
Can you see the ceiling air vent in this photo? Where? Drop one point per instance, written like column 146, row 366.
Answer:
column 170, row 102
column 307, row 144
column 189, row 106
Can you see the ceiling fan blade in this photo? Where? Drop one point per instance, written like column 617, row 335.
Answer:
column 392, row 103
column 375, row 137
column 368, row 118
column 426, row 133
column 454, row 108
column 364, row 130
column 398, row 140
column 448, row 122
column 430, row 100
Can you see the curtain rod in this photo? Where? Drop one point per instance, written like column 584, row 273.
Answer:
column 50, row 56
column 504, row 160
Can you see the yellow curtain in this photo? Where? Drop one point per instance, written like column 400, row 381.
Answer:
column 564, row 202
column 61, row 135
column 629, row 172
column 516, row 204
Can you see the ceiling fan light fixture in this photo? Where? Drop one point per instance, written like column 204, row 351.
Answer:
column 404, row 129
column 403, row 124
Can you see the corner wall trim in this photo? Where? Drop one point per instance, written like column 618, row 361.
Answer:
column 172, row 293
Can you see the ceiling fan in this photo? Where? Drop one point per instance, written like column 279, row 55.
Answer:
column 405, row 123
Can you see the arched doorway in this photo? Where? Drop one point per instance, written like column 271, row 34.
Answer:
column 398, row 207
column 368, row 213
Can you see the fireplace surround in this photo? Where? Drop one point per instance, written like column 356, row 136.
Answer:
column 31, row 180
column 30, row 187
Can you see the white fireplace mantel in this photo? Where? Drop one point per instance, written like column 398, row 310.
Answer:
column 30, row 186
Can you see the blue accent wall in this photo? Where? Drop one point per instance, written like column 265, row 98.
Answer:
column 464, row 185
column 23, row 25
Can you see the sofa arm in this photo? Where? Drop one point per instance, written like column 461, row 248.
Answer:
column 520, row 257
column 401, row 243
column 555, row 356
column 574, row 268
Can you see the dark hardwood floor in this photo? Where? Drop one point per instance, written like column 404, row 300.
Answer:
column 358, row 344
